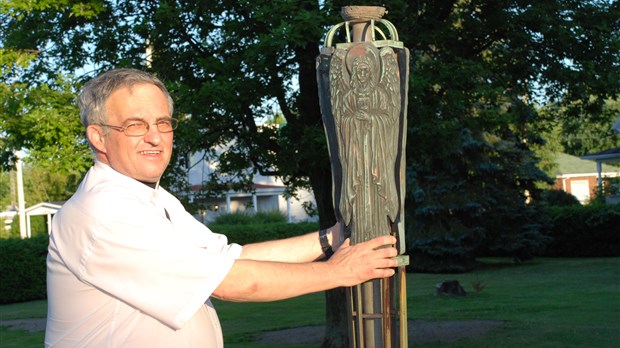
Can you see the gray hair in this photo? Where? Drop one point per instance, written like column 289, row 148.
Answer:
column 96, row 92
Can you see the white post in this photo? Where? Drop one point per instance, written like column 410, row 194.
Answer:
column 21, row 203
column 49, row 224
column 255, row 203
column 599, row 170
column 288, row 210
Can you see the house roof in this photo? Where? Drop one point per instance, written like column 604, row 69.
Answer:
column 43, row 208
column 568, row 165
column 610, row 155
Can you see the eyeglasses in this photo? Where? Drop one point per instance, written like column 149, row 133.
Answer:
column 139, row 128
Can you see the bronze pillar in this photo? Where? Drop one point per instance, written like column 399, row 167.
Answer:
column 363, row 84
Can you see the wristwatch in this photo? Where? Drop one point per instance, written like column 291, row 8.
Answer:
column 327, row 249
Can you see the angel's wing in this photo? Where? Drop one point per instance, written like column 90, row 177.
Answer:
column 390, row 78
column 339, row 80
column 390, row 82
column 339, row 83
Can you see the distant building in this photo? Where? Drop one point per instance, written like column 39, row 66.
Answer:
column 48, row 209
column 8, row 216
column 265, row 195
column 581, row 177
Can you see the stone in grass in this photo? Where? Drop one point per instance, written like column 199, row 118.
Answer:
column 450, row 288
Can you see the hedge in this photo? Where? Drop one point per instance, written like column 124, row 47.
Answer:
column 252, row 233
column 584, row 231
column 22, row 269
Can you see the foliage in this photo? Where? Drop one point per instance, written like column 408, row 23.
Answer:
column 558, row 198
column 42, row 120
column 610, row 187
column 246, row 218
column 22, row 269
column 38, row 116
column 436, row 254
column 253, row 233
column 597, row 136
column 480, row 68
column 584, row 231
column 6, row 199
column 13, row 231
column 38, row 227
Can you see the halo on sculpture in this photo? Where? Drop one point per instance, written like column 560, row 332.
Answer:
column 364, row 53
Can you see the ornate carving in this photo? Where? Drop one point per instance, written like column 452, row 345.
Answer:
column 366, row 102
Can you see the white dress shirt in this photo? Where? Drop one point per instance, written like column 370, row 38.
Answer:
column 120, row 273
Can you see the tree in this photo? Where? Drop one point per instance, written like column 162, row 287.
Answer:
column 38, row 119
column 594, row 137
column 481, row 69
column 37, row 115
column 41, row 120
column 224, row 62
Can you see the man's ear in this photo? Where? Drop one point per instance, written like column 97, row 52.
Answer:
column 96, row 137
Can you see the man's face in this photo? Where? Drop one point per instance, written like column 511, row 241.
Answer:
column 143, row 158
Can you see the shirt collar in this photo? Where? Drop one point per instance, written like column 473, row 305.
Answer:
column 111, row 174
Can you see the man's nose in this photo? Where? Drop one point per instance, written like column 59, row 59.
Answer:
column 153, row 135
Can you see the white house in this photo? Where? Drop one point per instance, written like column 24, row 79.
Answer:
column 581, row 177
column 606, row 156
column 43, row 208
column 265, row 195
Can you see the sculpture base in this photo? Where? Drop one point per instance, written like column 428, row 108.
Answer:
column 378, row 312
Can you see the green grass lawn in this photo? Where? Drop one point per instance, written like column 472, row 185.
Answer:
column 544, row 303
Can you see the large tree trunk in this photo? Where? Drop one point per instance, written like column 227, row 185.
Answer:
column 336, row 329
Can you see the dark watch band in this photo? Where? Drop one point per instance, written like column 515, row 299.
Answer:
column 327, row 249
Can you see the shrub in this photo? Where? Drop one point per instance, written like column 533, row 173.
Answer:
column 252, row 233
column 440, row 254
column 558, row 198
column 38, row 227
column 584, row 231
column 244, row 218
column 22, row 269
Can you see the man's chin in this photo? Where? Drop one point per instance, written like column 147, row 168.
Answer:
column 152, row 177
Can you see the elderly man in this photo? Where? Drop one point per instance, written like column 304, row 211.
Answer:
column 129, row 267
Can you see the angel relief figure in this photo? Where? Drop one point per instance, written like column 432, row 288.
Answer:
column 365, row 96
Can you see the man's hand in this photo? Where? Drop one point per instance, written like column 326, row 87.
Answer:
column 358, row 263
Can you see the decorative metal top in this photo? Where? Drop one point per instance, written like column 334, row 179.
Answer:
column 362, row 13
column 361, row 25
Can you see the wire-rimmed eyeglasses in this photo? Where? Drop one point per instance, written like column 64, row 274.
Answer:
column 138, row 128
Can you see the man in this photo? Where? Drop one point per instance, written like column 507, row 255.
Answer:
column 129, row 267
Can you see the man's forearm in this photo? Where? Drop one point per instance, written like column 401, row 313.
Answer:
column 257, row 281
column 304, row 248
column 262, row 281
